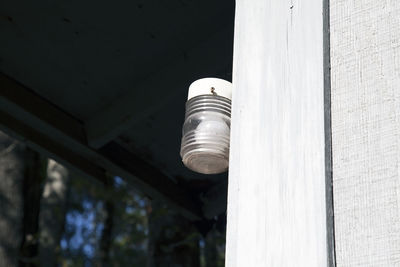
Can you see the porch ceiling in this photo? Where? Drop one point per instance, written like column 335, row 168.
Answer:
column 101, row 86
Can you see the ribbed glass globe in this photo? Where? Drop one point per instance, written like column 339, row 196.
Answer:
column 205, row 134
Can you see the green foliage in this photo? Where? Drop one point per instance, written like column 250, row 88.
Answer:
column 144, row 233
column 85, row 221
column 105, row 224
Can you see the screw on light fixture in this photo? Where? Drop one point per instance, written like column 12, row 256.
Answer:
column 206, row 130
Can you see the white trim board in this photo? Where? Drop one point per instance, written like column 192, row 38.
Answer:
column 276, row 199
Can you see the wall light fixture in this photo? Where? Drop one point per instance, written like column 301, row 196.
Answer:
column 206, row 130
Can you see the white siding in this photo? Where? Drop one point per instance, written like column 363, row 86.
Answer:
column 276, row 202
column 365, row 58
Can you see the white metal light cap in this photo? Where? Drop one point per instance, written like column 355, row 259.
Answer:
column 210, row 86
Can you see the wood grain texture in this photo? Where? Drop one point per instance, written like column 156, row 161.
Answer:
column 276, row 199
column 365, row 60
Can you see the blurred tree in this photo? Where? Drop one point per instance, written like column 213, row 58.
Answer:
column 214, row 248
column 52, row 213
column 173, row 240
column 22, row 173
column 83, row 222
column 35, row 175
column 50, row 216
column 106, row 234
column 130, row 226
column 12, row 170
column 105, row 226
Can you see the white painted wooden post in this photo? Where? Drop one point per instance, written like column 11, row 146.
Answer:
column 365, row 56
column 276, row 202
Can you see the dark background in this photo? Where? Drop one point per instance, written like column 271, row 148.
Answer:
column 101, row 88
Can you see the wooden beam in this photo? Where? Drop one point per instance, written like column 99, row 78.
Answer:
column 205, row 59
column 50, row 148
column 277, row 203
column 51, row 130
